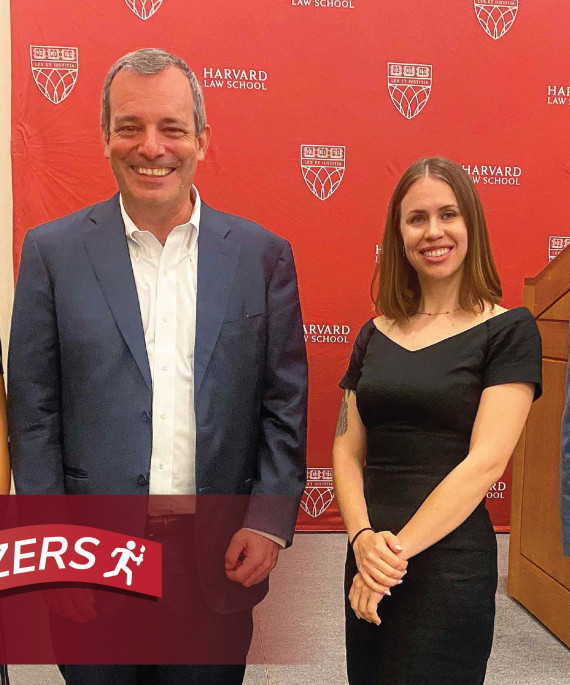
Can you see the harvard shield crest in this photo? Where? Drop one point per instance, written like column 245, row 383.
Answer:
column 318, row 494
column 409, row 86
column 323, row 168
column 54, row 70
column 496, row 16
column 557, row 243
column 144, row 9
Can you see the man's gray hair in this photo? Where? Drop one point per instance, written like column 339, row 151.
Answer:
column 152, row 61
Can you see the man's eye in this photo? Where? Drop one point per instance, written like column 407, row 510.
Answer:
column 174, row 131
column 127, row 129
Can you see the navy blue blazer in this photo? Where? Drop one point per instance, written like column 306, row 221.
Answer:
column 80, row 391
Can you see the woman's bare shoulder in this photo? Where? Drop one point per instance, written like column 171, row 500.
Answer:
column 495, row 310
column 382, row 323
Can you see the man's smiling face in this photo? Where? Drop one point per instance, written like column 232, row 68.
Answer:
column 152, row 146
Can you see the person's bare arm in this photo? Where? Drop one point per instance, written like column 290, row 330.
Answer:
column 377, row 554
column 349, row 452
column 502, row 412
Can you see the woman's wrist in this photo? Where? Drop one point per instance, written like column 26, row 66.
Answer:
column 405, row 553
column 360, row 532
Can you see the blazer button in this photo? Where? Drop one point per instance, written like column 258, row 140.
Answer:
column 142, row 479
column 146, row 416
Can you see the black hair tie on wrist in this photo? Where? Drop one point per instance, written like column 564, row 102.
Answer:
column 359, row 532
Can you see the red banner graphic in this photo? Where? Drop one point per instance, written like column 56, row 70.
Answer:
column 160, row 597
column 63, row 553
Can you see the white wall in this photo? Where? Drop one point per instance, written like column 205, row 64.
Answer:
column 6, row 270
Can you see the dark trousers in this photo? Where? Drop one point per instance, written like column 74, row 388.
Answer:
column 153, row 675
column 184, row 606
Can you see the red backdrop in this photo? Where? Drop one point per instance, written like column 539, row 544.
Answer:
column 317, row 107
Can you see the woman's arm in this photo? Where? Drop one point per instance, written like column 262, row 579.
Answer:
column 502, row 413
column 349, row 453
column 376, row 554
column 4, row 454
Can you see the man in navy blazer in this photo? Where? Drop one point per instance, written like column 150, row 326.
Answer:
column 95, row 320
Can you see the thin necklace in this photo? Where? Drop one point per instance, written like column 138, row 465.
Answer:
column 449, row 311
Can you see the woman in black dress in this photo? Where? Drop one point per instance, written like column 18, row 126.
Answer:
column 436, row 394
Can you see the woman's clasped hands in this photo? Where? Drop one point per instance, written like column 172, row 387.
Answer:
column 380, row 567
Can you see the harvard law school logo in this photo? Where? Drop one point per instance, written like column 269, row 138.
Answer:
column 494, row 174
column 318, row 494
column 144, row 9
column 557, row 243
column 323, row 168
column 496, row 16
column 409, row 86
column 54, row 70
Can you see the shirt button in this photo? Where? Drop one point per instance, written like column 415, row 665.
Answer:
column 166, row 319
column 164, row 272
column 161, row 466
column 163, row 415
column 165, row 367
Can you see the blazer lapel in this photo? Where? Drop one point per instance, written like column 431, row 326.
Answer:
column 217, row 262
column 106, row 245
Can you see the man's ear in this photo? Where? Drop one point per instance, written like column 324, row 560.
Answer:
column 105, row 138
column 204, row 141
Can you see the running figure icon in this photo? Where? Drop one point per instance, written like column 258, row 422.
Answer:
column 127, row 554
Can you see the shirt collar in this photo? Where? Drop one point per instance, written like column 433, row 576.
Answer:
column 131, row 229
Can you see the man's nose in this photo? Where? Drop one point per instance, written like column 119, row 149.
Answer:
column 151, row 144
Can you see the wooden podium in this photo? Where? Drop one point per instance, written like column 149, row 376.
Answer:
column 539, row 574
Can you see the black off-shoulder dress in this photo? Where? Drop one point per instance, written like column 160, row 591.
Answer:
column 418, row 409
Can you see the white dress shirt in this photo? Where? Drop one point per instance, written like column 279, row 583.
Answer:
column 166, row 279
column 166, row 282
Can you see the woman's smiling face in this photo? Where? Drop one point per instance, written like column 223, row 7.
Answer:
column 433, row 231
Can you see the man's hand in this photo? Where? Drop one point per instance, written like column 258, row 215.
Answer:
column 250, row 557
column 75, row 603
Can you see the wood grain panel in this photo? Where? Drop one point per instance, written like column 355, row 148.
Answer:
column 559, row 311
column 554, row 336
column 541, row 535
column 545, row 598
column 539, row 574
column 551, row 283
